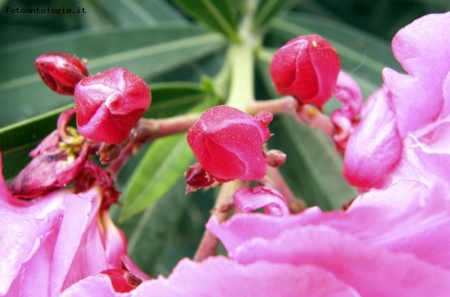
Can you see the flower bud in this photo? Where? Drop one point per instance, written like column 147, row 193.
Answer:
column 122, row 280
column 307, row 68
column 275, row 158
column 228, row 143
column 197, row 178
column 109, row 104
column 61, row 71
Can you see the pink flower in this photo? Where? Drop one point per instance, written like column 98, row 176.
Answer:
column 53, row 241
column 228, row 143
column 109, row 104
column 307, row 68
column 389, row 243
column 61, row 71
column 404, row 129
column 399, row 235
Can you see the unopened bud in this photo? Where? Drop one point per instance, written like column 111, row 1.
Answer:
column 228, row 143
column 307, row 68
column 122, row 281
column 275, row 158
column 109, row 104
column 197, row 178
column 61, row 71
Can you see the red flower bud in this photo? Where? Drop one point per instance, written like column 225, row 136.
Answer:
column 61, row 71
column 122, row 281
column 307, row 68
column 275, row 158
column 197, row 178
column 228, row 143
column 109, row 104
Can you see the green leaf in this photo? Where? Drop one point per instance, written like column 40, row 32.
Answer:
column 174, row 98
column 313, row 169
column 145, row 51
column 133, row 12
column 163, row 164
column 267, row 10
column 218, row 15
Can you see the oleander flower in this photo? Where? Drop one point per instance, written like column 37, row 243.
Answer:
column 405, row 124
column 61, row 71
column 389, row 243
column 228, row 143
column 53, row 241
column 307, row 68
column 109, row 104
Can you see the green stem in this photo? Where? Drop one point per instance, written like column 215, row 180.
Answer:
column 242, row 77
column 242, row 59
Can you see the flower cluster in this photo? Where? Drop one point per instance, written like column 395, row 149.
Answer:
column 392, row 240
column 107, row 104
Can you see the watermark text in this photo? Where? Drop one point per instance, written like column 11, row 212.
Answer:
column 45, row 10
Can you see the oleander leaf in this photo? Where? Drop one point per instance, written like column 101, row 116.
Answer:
column 218, row 15
column 145, row 51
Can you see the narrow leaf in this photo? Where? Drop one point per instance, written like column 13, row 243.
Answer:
column 218, row 15
column 170, row 99
column 163, row 164
column 267, row 10
column 144, row 51
column 133, row 12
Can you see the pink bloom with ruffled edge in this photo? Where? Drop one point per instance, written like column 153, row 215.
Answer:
column 405, row 125
column 53, row 241
column 379, row 247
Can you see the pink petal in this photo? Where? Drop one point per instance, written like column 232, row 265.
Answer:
column 26, row 231
column 243, row 227
column 423, row 49
column 375, row 145
column 446, row 94
column 100, row 285
column 407, row 217
column 249, row 199
column 348, row 92
column 50, row 242
column 422, row 162
column 350, row 260
column 223, row 277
